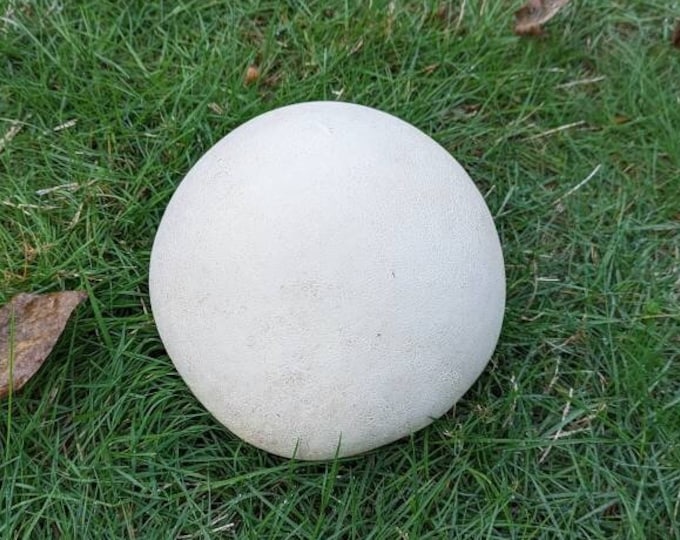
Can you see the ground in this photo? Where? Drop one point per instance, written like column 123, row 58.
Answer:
column 573, row 430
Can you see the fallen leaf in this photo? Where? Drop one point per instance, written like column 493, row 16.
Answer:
column 530, row 18
column 30, row 326
column 676, row 35
column 252, row 74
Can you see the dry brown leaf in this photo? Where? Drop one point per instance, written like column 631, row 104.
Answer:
column 530, row 18
column 252, row 74
column 30, row 326
column 676, row 35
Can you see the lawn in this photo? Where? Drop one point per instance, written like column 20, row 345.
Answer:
column 573, row 430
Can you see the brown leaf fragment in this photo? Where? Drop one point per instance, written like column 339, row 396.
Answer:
column 252, row 75
column 30, row 326
column 675, row 40
column 530, row 18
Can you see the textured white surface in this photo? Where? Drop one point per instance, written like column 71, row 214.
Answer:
column 326, row 273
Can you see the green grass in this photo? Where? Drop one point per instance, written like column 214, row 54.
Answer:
column 573, row 431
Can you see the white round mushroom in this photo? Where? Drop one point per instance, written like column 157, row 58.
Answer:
column 327, row 279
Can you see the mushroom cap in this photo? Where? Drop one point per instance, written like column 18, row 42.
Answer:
column 327, row 279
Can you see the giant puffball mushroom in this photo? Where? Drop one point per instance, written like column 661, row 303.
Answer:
column 327, row 279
